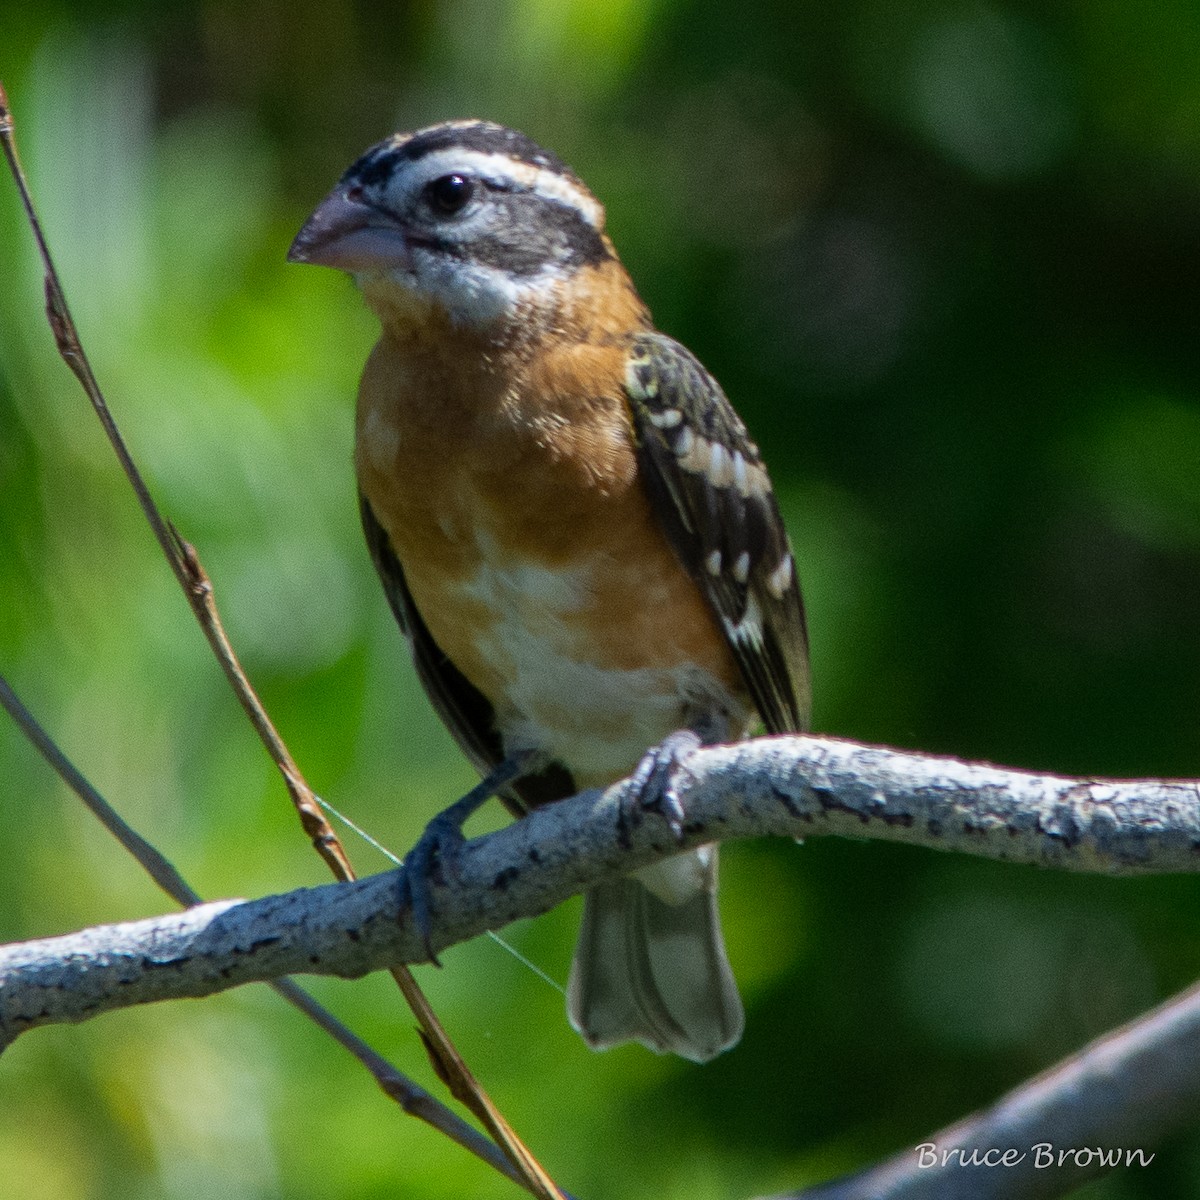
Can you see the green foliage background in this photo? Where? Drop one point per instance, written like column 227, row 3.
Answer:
column 944, row 256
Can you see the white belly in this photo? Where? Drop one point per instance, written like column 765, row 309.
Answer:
column 558, row 696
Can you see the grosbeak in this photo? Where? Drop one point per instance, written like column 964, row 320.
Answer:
column 575, row 532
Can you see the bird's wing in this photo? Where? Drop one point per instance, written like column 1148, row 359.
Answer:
column 710, row 489
column 464, row 710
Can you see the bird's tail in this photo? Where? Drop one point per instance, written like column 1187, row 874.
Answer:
column 650, row 966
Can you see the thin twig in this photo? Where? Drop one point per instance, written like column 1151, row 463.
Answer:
column 180, row 556
column 197, row 587
column 155, row 864
column 199, row 590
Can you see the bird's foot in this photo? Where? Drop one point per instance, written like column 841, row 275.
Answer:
column 438, row 846
column 653, row 782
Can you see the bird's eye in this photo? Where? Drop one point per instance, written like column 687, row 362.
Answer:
column 450, row 194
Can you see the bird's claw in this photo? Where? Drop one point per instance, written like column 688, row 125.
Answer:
column 438, row 847
column 430, row 858
column 653, row 782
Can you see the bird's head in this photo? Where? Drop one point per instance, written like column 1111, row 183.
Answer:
column 467, row 217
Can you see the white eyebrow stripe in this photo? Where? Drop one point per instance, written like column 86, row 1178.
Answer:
column 541, row 180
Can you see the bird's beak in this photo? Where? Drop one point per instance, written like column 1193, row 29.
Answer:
column 346, row 233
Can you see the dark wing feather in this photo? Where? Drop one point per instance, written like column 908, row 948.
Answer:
column 464, row 710
column 710, row 489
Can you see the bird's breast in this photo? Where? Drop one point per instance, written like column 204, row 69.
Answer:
column 533, row 556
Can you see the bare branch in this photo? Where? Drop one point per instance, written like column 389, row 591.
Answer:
column 791, row 787
column 1124, row 1091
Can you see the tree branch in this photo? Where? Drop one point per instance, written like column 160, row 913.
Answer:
column 1124, row 1091
column 790, row 787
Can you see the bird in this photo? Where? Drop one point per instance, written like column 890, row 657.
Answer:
column 575, row 532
